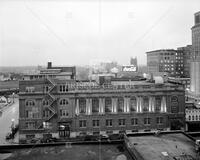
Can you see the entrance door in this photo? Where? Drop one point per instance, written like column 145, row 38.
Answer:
column 64, row 130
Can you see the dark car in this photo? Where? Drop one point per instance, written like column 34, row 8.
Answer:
column 116, row 137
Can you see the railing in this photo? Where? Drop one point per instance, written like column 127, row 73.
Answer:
column 123, row 87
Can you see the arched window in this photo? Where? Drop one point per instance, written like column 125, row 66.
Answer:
column 45, row 103
column 196, row 118
column 158, row 104
column 108, row 105
column 189, row 117
column 145, row 104
column 133, row 104
column 63, row 102
column 30, row 103
column 82, row 105
column 120, row 104
column 95, row 105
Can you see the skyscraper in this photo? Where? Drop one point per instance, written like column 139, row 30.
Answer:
column 195, row 64
column 196, row 35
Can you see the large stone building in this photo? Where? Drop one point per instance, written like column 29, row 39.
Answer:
column 54, row 103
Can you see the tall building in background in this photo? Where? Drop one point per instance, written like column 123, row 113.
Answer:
column 196, row 35
column 133, row 61
column 195, row 64
column 187, row 57
column 165, row 62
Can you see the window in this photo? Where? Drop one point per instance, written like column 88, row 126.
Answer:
column 30, row 125
column 189, row 117
column 121, row 122
column 46, row 113
column 30, row 136
column 193, row 118
column 108, row 105
column 30, row 89
column 174, row 104
column 82, row 123
column 63, row 102
column 147, row 121
column 95, row 105
column 95, row 123
column 120, row 104
column 82, row 105
column 109, row 122
column 63, row 88
column 133, row 104
column 32, row 111
column 134, row 121
column 63, row 113
column 158, row 104
column 47, row 125
column 196, row 118
column 145, row 104
column 30, row 103
column 159, row 120
column 46, row 89
column 45, row 103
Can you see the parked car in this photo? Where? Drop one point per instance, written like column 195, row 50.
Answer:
column 116, row 137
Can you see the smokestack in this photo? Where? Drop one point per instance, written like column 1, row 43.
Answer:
column 49, row 65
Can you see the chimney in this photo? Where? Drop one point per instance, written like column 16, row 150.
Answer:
column 49, row 65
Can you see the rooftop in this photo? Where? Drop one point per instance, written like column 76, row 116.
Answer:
column 70, row 152
column 165, row 146
column 161, row 50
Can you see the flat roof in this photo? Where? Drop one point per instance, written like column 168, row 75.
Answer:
column 164, row 146
column 161, row 50
column 69, row 152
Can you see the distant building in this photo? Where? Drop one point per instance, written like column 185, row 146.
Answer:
column 53, row 103
column 187, row 57
column 167, row 62
column 133, row 61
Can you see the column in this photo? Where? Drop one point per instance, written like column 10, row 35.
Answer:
column 153, row 104
column 138, row 103
column 125, row 104
column 103, row 106
column 150, row 104
column 77, row 107
column 114, row 105
column 128, row 105
column 140, row 106
column 164, row 104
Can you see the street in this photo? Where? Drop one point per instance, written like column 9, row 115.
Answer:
column 9, row 113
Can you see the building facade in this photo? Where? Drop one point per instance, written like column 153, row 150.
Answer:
column 67, row 108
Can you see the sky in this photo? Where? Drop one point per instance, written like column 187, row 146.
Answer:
column 81, row 32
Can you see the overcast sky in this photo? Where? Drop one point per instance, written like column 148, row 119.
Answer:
column 80, row 32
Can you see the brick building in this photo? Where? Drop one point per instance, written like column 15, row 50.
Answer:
column 174, row 63
column 53, row 104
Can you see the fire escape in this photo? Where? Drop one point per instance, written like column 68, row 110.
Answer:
column 52, row 101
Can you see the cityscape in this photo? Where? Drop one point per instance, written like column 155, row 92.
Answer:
column 110, row 109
